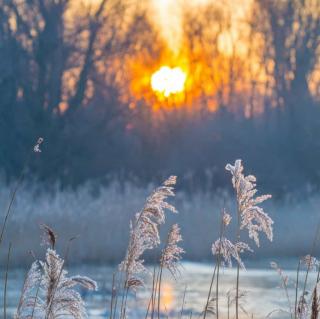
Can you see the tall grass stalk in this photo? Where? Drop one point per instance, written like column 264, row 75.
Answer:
column 35, row 149
column 150, row 303
column 159, row 288
column 159, row 277
column 250, row 215
column 296, row 290
column 183, row 302
column 144, row 235
column 218, row 261
column 309, row 263
column 117, row 297
column 155, row 294
column 284, row 283
column 6, row 283
column 210, row 291
column 57, row 282
column 315, row 304
column 228, row 304
column 13, row 196
column 113, row 291
column 238, row 265
column 170, row 257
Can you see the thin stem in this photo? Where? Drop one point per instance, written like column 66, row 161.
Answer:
column 116, row 301
column 309, row 263
column 218, row 261
column 5, row 284
column 112, row 295
column 153, row 288
column 155, row 294
column 217, row 289
column 213, row 275
column 238, row 266
column 297, row 287
column 159, row 289
column 237, row 291
column 183, row 302
column 125, row 302
column 123, row 294
column 210, row 290
column 122, row 299
column 287, row 296
column 20, row 179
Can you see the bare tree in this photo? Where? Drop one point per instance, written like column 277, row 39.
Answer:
column 291, row 30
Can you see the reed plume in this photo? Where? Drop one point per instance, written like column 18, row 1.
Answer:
column 171, row 254
column 29, row 304
column 250, row 215
column 49, row 238
column 144, row 232
column 48, row 292
column 228, row 250
column 170, row 259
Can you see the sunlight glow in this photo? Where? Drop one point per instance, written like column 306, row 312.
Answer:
column 168, row 80
column 167, row 297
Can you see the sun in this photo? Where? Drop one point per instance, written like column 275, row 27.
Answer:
column 168, row 81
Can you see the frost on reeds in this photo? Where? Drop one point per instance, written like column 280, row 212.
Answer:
column 49, row 237
column 171, row 255
column 49, row 293
column 228, row 250
column 252, row 217
column 284, row 280
column 225, row 249
column 144, row 232
column 310, row 262
column 304, row 306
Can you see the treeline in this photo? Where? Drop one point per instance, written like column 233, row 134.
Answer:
column 66, row 74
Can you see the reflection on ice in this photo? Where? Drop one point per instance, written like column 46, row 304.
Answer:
column 263, row 293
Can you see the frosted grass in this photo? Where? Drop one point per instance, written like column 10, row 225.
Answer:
column 101, row 217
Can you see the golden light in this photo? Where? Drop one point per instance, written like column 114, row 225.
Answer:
column 167, row 297
column 168, row 80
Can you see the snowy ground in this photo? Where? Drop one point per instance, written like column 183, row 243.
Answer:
column 262, row 287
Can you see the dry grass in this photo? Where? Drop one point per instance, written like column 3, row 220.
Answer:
column 49, row 293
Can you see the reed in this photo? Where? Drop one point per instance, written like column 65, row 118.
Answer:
column 48, row 292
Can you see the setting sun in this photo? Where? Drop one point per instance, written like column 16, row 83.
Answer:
column 168, row 80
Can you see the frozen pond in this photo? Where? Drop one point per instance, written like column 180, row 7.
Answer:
column 261, row 286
